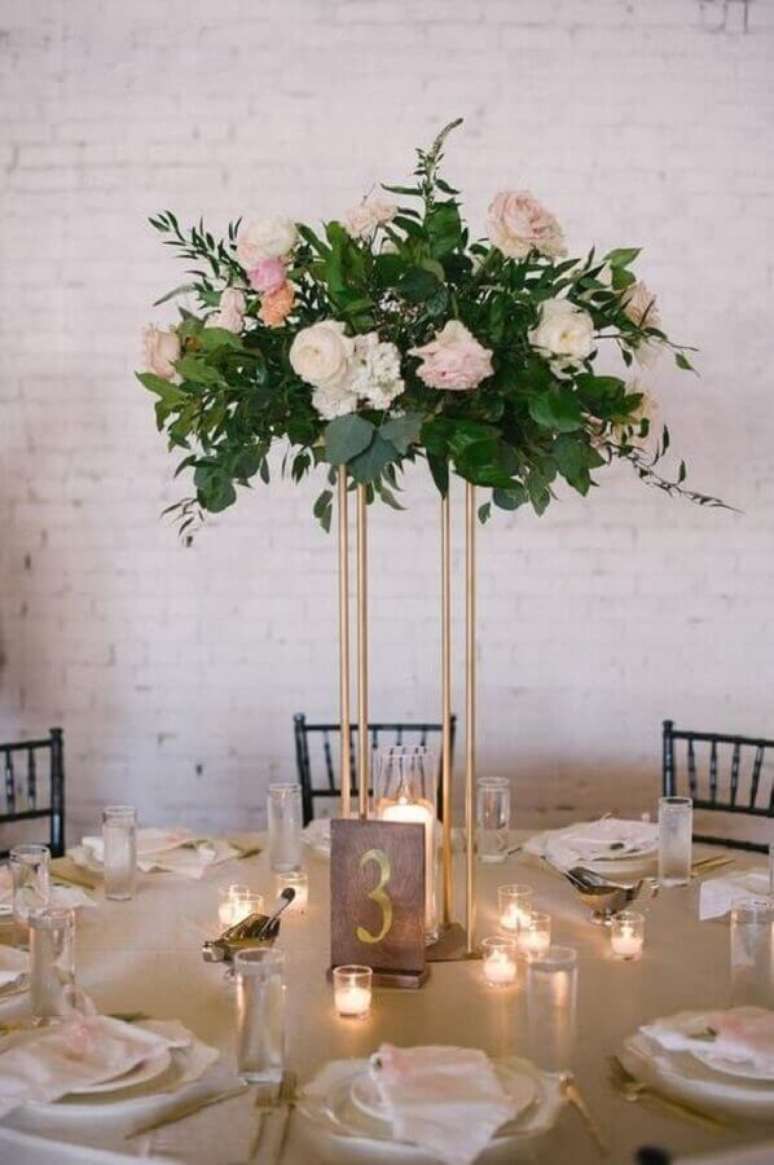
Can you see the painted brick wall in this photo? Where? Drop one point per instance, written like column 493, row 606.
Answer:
column 175, row 671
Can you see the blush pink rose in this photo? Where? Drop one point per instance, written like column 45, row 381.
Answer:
column 161, row 350
column 518, row 224
column 276, row 307
column 454, row 360
column 267, row 276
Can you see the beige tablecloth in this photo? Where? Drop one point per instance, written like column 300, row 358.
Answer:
column 145, row 955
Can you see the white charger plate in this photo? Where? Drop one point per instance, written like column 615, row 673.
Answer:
column 146, row 1070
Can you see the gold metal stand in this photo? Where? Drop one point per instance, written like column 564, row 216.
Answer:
column 362, row 653
column 446, row 773
column 470, row 711
column 345, row 775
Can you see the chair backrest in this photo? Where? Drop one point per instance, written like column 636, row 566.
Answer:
column 381, row 735
column 722, row 773
column 23, row 766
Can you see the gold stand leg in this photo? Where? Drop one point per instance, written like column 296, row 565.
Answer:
column 470, row 711
column 345, row 775
column 362, row 654
column 446, row 774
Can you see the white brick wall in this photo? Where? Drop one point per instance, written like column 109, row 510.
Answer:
column 175, row 672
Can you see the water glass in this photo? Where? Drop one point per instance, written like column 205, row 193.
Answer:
column 552, row 990
column 260, row 1014
column 675, row 830
column 52, row 961
column 285, row 823
column 119, row 840
column 752, row 952
column 493, row 816
column 30, row 874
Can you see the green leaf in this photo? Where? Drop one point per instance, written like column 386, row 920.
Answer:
column 444, row 228
column 181, row 290
column 403, row 431
column 367, row 466
column 418, row 285
column 439, row 469
column 622, row 256
column 212, row 338
column 484, row 513
column 346, row 437
column 557, row 409
column 682, row 361
column 511, row 498
column 192, row 368
column 169, row 393
column 414, row 191
column 323, row 502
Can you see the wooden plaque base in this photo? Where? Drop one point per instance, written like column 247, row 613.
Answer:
column 403, row 980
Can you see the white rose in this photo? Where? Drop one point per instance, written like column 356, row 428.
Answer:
column 363, row 219
column 266, row 238
column 565, row 332
column 231, row 311
column 322, row 355
column 161, row 350
column 517, row 224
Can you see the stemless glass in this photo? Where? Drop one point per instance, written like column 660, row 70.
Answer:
column 285, row 822
column 493, row 816
column 752, row 952
column 30, row 874
column 119, row 840
column 552, row 990
column 260, row 1014
column 52, row 960
column 675, row 828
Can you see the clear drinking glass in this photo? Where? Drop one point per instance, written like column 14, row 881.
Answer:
column 493, row 815
column 52, row 960
column 552, row 990
column 285, row 823
column 675, row 828
column 30, row 874
column 406, row 790
column 119, row 840
column 260, row 1014
column 752, row 952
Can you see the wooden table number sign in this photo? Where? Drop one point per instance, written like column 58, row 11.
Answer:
column 378, row 899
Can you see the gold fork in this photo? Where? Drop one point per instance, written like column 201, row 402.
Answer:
column 573, row 1095
column 635, row 1090
column 285, row 1098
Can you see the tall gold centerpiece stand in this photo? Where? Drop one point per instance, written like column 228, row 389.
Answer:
column 457, row 941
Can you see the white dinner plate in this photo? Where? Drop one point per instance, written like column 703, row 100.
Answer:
column 146, row 1070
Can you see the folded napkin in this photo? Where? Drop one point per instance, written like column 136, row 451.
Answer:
column 44, row 1064
column 175, row 851
column 447, row 1100
column 718, row 894
column 608, row 839
column 14, row 967
column 743, row 1034
column 69, row 897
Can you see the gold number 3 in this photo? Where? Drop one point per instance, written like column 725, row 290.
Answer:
column 378, row 895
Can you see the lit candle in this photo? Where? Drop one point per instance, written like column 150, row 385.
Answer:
column 499, row 961
column 514, row 907
column 535, row 934
column 236, row 902
column 423, row 813
column 352, row 991
column 627, row 934
column 299, row 881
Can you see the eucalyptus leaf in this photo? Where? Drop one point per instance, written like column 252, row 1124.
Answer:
column 346, row 437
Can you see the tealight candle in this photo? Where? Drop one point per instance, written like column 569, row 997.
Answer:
column 235, row 904
column 535, row 934
column 514, row 907
column 627, row 934
column 499, row 961
column 352, row 988
column 299, row 881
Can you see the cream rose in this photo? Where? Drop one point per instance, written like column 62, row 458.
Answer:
column 518, row 224
column 322, row 355
column 565, row 333
column 266, row 238
column 363, row 219
column 639, row 304
column 161, row 350
column 454, row 360
column 231, row 311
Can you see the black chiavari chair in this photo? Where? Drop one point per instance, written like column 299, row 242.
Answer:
column 22, row 771
column 380, row 735
column 737, row 788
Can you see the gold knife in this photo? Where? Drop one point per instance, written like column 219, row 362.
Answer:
column 573, row 1095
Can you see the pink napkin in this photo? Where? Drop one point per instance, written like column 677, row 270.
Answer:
column 447, row 1100
column 741, row 1033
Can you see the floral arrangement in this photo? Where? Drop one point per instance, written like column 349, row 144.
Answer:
column 390, row 337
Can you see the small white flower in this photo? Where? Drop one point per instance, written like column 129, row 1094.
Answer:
column 362, row 220
column 565, row 333
column 334, row 402
column 265, row 238
column 376, row 373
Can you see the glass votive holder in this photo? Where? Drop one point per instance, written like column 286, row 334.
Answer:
column 119, row 843
column 514, row 907
column 627, row 934
column 298, row 880
column 352, row 990
column 499, row 961
column 30, row 876
column 234, row 904
column 52, row 961
column 535, row 935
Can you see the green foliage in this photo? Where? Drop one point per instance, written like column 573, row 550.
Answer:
column 234, row 396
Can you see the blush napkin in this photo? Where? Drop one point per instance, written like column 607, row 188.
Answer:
column 717, row 895
column 446, row 1100
column 745, row 1034
column 176, row 851
column 14, row 968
